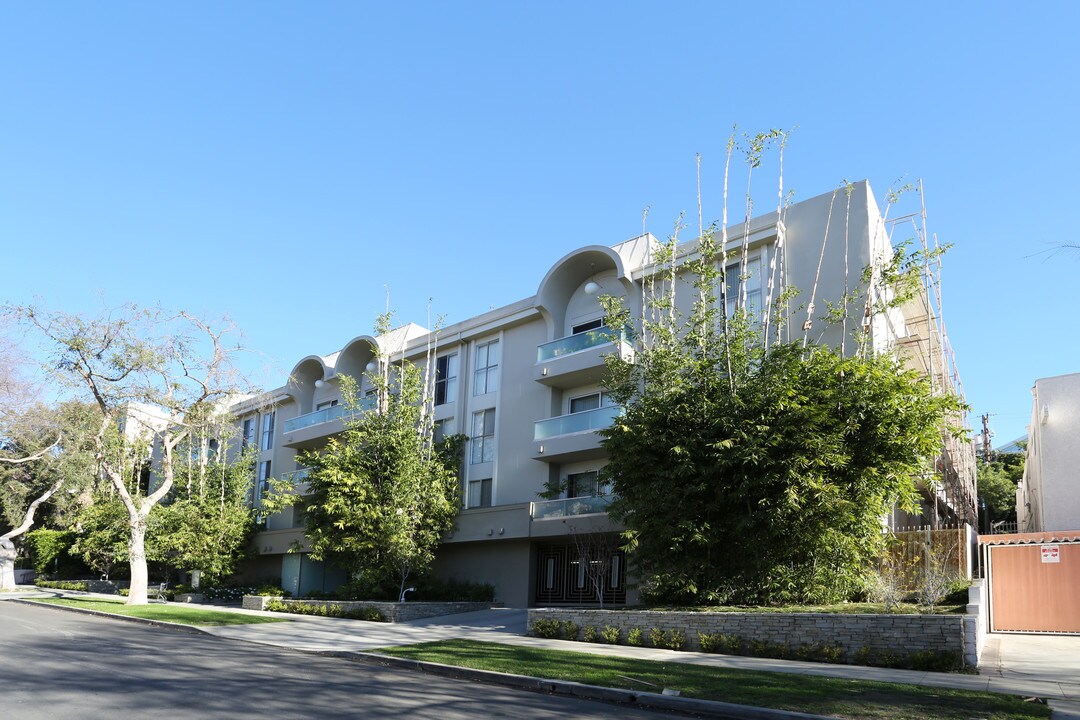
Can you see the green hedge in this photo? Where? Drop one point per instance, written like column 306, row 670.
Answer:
column 63, row 584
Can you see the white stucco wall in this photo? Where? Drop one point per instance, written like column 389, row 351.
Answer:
column 1050, row 497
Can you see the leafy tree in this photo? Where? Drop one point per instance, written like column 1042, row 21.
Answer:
column 383, row 492
column 151, row 377
column 997, row 481
column 103, row 535
column 208, row 522
column 42, row 451
column 753, row 472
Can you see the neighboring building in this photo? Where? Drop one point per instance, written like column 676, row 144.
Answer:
column 524, row 383
column 1048, row 498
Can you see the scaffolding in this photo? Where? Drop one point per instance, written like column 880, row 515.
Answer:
column 923, row 344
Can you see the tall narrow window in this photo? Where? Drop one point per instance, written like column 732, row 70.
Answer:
column 249, row 433
column 446, row 372
column 268, row 432
column 262, row 485
column 483, row 436
column 750, row 282
column 486, row 376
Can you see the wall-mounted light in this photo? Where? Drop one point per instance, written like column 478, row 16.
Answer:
column 592, row 287
column 372, row 366
column 490, row 532
column 320, row 383
column 541, row 449
column 502, row 530
column 1045, row 418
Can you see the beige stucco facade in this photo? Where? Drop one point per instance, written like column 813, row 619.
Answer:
column 526, row 387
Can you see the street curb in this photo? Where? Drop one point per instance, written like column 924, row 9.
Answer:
column 648, row 700
column 191, row 629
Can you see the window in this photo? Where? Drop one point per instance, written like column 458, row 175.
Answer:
column 588, row 402
column 583, row 484
column 751, row 282
column 248, row 433
column 483, row 436
column 268, row 432
column 486, row 377
column 587, row 326
column 326, row 404
column 299, row 514
column 263, row 478
column 443, row 429
column 480, row 493
column 446, row 372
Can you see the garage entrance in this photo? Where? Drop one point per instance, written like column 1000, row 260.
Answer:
column 1034, row 581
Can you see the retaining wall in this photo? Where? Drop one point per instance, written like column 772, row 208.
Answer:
column 883, row 639
column 393, row 612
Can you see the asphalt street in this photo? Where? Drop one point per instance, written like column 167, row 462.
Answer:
column 56, row 665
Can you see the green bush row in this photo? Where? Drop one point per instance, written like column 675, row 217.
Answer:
column 325, row 610
column 63, row 584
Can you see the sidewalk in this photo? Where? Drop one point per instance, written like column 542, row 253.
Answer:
column 507, row 626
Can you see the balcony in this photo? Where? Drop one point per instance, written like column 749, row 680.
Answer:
column 305, row 430
column 572, row 437
column 570, row 507
column 578, row 359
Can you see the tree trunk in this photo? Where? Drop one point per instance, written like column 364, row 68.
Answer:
column 137, row 557
column 7, row 564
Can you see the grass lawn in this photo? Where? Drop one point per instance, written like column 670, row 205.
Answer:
column 183, row 614
column 854, row 699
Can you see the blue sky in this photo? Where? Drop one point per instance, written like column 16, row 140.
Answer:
column 282, row 163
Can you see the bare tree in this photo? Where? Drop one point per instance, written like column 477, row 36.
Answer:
column 595, row 549
column 153, row 377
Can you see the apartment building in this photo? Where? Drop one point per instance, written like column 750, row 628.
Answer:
column 1047, row 498
column 524, row 383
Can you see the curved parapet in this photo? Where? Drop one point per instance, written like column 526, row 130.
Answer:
column 568, row 293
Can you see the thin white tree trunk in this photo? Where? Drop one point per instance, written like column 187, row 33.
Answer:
column 7, row 547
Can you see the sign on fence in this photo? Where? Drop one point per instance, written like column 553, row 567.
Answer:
column 1050, row 553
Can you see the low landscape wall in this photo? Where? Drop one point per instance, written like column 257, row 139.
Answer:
column 858, row 639
column 391, row 611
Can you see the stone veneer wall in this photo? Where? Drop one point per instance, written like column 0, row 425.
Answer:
column 393, row 612
column 881, row 635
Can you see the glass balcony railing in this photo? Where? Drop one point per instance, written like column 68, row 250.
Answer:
column 326, row 415
column 577, row 343
column 296, row 476
column 596, row 419
column 570, row 507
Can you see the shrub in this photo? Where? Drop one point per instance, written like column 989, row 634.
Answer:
column 589, row 634
column 570, row 629
column 611, row 634
column 675, row 640
column 863, row 656
column 324, row 610
column 428, row 589
column 76, row 585
column 935, row 660
column 546, row 628
column 656, row 637
column 635, row 637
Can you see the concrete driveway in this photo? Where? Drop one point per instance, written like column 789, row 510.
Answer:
column 1049, row 664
